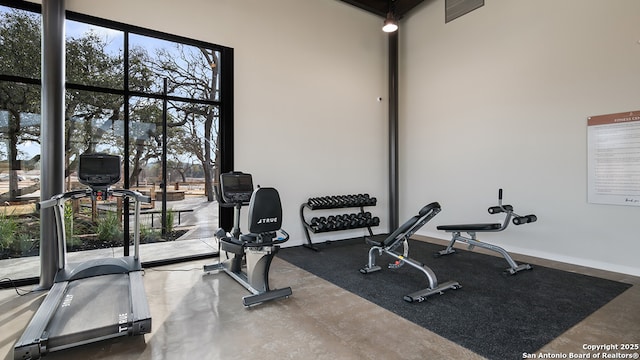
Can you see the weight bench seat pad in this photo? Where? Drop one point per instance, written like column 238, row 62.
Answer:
column 408, row 225
column 470, row 227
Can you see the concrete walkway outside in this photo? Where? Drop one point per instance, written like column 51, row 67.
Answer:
column 199, row 239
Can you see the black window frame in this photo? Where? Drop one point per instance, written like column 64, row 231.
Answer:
column 225, row 102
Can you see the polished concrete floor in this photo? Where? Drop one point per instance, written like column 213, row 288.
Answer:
column 200, row 316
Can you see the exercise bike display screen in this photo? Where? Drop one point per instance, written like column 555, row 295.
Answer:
column 236, row 187
column 99, row 169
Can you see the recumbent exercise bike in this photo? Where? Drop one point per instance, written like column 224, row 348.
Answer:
column 247, row 257
column 472, row 229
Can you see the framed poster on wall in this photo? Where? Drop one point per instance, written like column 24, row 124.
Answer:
column 614, row 159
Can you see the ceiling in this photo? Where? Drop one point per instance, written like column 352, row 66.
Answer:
column 381, row 7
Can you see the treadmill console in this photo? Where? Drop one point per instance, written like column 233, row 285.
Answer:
column 236, row 187
column 99, row 170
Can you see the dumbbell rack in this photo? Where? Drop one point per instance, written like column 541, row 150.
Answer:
column 339, row 222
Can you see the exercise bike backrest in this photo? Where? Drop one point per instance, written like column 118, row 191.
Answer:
column 265, row 211
column 265, row 219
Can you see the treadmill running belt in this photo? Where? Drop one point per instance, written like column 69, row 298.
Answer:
column 92, row 308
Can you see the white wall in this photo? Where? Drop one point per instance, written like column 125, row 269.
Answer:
column 496, row 98
column 500, row 98
column 307, row 76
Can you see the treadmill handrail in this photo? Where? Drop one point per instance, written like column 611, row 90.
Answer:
column 77, row 194
column 60, row 198
column 57, row 201
column 136, row 195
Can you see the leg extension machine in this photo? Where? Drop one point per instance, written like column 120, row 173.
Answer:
column 472, row 229
column 401, row 237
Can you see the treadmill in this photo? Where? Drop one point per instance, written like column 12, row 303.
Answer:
column 96, row 299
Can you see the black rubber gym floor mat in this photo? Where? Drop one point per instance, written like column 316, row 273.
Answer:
column 494, row 315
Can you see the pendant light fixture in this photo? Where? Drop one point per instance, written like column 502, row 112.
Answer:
column 390, row 23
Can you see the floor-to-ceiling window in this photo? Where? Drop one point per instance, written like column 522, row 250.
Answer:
column 156, row 100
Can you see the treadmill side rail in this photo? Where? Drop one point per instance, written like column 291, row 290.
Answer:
column 139, row 305
column 46, row 334
column 33, row 340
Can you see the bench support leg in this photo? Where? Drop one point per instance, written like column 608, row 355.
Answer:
column 472, row 242
column 417, row 296
column 371, row 265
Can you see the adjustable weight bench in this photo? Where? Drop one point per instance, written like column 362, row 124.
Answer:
column 472, row 229
column 401, row 237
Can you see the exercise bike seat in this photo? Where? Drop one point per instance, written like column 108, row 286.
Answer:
column 428, row 210
column 470, row 227
column 248, row 238
column 232, row 245
column 257, row 240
